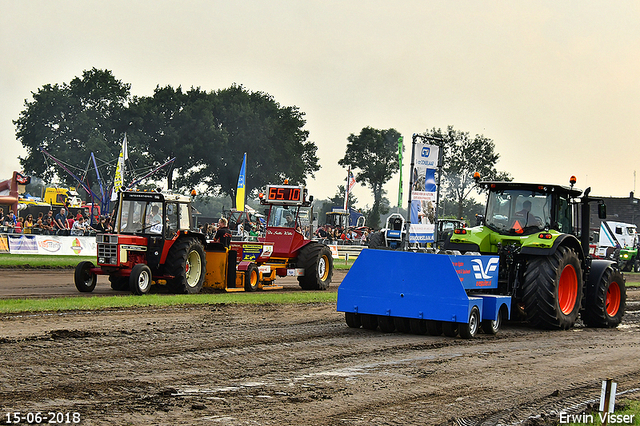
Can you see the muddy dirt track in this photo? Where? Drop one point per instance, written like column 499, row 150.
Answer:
column 301, row 365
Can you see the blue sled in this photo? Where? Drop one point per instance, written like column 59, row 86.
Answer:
column 423, row 286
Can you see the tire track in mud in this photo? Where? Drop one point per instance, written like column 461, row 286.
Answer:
column 299, row 365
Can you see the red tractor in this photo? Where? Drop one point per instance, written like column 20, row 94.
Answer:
column 293, row 254
column 153, row 242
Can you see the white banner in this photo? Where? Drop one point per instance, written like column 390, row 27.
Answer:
column 51, row 244
column 423, row 193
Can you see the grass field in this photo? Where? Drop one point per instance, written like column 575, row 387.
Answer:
column 40, row 261
column 159, row 300
column 92, row 303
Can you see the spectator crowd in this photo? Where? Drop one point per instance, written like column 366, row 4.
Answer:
column 61, row 223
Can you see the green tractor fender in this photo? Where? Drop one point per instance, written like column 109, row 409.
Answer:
column 566, row 240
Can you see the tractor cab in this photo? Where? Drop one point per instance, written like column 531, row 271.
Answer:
column 524, row 209
column 288, row 206
column 153, row 214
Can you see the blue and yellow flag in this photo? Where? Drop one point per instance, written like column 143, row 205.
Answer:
column 241, row 185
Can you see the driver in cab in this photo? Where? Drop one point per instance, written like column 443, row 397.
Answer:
column 525, row 217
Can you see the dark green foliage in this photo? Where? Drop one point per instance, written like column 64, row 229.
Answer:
column 72, row 120
column 206, row 132
column 373, row 157
column 463, row 156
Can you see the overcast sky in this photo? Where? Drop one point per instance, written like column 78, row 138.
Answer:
column 556, row 84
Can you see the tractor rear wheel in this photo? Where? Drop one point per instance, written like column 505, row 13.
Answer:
column 605, row 301
column 251, row 278
column 140, row 279
column 83, row 278
column 317, row 261
column 186, row 262
column 552, row 289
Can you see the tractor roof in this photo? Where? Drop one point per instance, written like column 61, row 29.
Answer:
column 539, row 187
column 154, row 196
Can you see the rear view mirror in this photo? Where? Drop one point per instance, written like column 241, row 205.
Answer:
column 602, row 211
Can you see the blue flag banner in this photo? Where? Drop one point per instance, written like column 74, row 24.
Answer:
column 240, row 193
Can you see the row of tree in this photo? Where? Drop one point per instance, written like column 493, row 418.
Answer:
column 207, row 134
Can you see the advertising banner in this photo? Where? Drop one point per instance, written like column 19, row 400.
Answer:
column 49, row 244
column 423, row 193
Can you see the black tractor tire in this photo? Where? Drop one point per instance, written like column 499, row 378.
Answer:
column 369, row 322
column 84, row 280
column 450, row 329
column 140, row 279
column 636, row 265
column 251, row 278
column 434, row 328
column 627, row 265
column 317, row 261
column 376, row 241
column 352, row 319
column 552, row 289
column 605, row 301
column 470, row 329
column 186, row 261
column 386, row 324
column 119, row 283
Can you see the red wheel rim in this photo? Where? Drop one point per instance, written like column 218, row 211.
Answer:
column 612, row 302
column 568, row 290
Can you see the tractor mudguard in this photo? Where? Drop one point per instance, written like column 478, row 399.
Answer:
column 598, row 267
column 561, row 240
column 422, row 286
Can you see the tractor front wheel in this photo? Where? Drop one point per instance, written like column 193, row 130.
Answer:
column 605, row 301
column 552, row 289
column 186, row 262
column 317, row 262
column 140, row 279
column 83, row 278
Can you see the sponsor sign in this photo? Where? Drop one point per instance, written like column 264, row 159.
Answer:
column 476, row 272
column 48, row 245
column 423, row 193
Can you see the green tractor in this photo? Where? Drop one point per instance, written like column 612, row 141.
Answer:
column 541, row 233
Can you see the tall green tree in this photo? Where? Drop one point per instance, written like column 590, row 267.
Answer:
column 463, row 156
column 373, row 156
column 176, row 124
column 71, row 120
column 273, row 137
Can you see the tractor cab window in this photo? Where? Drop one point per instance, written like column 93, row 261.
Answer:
column 518, row 212
column 131, row 216
column 282, row 217
column 172, row 220
column 154, row 218
column 139, row 216
column 564, row 215
column 185, row 216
